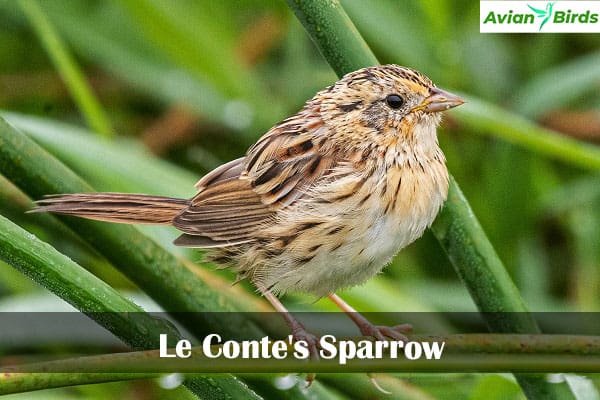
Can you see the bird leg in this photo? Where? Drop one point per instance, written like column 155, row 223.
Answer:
column 367, row 328
column 298, row 330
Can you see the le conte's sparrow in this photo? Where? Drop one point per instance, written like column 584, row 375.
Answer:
column 322, row 201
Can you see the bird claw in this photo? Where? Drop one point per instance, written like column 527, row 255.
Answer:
column 376, row 384
column 310, row 378
column 381, row 332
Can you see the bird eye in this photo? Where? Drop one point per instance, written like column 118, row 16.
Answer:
column 394, row 101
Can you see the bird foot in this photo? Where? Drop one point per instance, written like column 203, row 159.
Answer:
column 381, row 332
column 300, row 333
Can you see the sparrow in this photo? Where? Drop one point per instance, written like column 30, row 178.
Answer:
column 321, row 202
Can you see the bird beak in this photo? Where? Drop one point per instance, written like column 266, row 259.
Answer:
column 439, row 100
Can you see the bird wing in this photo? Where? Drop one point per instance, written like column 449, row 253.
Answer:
column 540, row 13
column 284, row 164
column 238, row 198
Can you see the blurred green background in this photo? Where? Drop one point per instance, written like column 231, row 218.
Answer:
column 194, row 83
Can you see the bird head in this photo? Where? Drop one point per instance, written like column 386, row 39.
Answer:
column 384, row 104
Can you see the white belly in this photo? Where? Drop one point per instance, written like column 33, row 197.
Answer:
column 365, row 252
column 369, row 236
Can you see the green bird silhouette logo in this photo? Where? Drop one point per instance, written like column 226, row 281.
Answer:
column 545, row 14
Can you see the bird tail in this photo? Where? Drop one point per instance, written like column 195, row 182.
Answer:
column 123, row 208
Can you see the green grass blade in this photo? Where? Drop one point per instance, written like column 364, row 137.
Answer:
column 122, row 160
column 67, row 67
column 559, row 86
column 345, row 50
column 132, row 62
column 486, row 118
column 174, row 28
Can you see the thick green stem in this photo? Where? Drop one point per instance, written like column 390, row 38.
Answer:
column 526, row 363
column 46, row 266
column 27, row 382
column 334, row 34
column 456, row 227
column 480, row 268
column 476, row 352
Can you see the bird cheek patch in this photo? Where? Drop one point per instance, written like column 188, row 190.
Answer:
column 375, row 116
